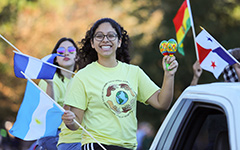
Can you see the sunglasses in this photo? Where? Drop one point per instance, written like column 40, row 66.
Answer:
column 62, row 50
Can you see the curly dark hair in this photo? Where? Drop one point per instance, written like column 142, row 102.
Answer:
column 76, row 66
column 235, row 52
column 88, row 54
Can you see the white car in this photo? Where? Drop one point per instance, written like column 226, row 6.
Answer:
column 204, row 117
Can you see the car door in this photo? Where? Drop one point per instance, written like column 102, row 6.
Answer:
column 196, row 124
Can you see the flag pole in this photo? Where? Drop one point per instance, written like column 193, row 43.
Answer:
column 42, row 91
column 10, row 43
column 48, row 63
column 41, row 60
column 60, row 107
column 88, row 134
column 193, row 29
column 58, row 67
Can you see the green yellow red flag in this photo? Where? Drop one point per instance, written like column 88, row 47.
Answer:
column 182, row 24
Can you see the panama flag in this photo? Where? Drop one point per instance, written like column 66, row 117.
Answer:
column 212, row 56
column 38, row 115
column 182, row 24
column 33, row 67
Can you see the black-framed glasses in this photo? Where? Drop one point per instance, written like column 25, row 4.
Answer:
column 111, row 36
column 61, row 50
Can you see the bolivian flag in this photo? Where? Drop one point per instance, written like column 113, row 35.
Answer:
column 182, row 24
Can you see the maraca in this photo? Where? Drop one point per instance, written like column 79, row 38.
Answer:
column 171, row 47
column 168, row 48
column 163, row 47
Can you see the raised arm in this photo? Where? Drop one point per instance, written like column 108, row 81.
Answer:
column 50, row 90
column 163, row 99
column 197, row 71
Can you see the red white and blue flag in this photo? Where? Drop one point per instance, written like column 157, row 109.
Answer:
column 212, row 56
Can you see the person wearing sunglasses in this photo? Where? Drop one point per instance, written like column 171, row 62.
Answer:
column 103, row 95
column 56, row 89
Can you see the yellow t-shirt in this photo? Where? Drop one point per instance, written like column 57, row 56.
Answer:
column 109, row 97
column 59, row 88
column 66, row 135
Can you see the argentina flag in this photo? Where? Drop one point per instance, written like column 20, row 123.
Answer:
column 38, row 116
column 34, row 68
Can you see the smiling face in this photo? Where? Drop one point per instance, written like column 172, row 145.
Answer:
column 66, row 49
column 105, row 48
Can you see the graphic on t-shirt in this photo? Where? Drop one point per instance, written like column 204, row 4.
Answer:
column 119, row 97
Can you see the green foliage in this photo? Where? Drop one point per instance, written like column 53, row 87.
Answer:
column 219, row 17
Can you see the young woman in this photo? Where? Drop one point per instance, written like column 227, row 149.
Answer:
column 56, row 89
column 103, row 95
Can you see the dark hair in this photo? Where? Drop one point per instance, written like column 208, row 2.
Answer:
column 76, row 66
column 88, row 54
column 235, row 53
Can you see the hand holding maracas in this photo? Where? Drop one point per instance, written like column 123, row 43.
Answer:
column 168, row 48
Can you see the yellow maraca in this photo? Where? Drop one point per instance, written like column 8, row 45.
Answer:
column 163, row 47
column 171, row 47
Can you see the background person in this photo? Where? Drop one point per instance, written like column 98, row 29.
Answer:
column 145, row 135
column 56, row 89
column 231, row 73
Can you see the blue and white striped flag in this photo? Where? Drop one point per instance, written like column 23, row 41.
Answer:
column 38, row 115
column 34, row 68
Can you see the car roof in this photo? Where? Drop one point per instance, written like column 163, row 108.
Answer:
column 229, row 90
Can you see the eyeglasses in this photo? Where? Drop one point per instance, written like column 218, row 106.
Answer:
column 111, row 36
column 61, row 50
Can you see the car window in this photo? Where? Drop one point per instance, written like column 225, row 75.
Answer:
column 213, row 126
column 202, row 128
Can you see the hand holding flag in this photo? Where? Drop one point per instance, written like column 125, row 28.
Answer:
column 39, row 115
column 36, row 116
column 36, row 68
column 33, row 67
column 212, row 56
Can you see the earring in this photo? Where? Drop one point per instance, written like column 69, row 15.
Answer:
column 76, row 59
